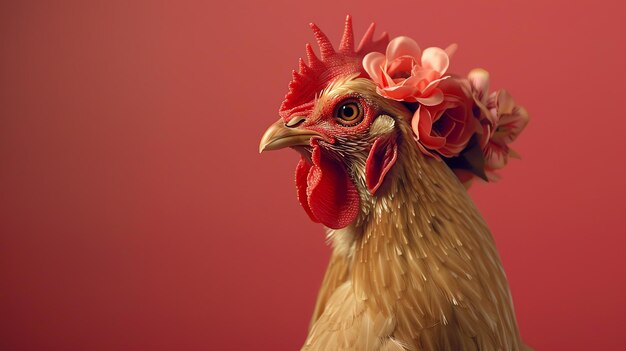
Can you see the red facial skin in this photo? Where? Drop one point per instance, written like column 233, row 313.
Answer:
column 325, row 189
column 326, row 123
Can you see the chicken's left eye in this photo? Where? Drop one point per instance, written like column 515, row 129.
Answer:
column 349, row 113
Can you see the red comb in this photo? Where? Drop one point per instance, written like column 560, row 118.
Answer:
column 312, row 78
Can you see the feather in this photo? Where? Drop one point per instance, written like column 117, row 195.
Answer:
column 423, row 264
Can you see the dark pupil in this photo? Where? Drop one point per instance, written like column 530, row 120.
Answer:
column 347, row 111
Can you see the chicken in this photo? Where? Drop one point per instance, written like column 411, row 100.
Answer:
column 413, row 264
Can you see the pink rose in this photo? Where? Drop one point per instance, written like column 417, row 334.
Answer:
column 405, row 73
column 446, row 128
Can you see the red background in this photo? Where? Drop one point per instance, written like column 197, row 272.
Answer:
column 137, row 214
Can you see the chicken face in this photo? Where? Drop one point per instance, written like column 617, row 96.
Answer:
column 329, row 116
column 348, row 143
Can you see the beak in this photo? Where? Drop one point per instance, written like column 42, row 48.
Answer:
column 279, row 136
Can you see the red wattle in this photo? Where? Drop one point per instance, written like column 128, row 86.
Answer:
column 331, row 196
column 302, row 171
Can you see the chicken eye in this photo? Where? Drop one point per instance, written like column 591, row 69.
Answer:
column 349, row 113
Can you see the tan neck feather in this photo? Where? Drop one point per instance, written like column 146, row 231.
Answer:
column 425, row 256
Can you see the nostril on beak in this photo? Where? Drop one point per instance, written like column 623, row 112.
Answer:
column 295, row 121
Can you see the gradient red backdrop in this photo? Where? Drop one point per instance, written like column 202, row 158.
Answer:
column 137, row 214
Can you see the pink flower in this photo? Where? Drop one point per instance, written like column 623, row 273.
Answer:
column 510, row 120
column 405, row 73
column 446, row 128
column 500, row 118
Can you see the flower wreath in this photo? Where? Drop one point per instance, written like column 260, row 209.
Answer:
column 456, row 120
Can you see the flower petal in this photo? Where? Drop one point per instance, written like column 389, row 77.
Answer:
column 451, row 49
column 426, row 75
column 422, row 124
column 416, row 120
column 430, row 87
column 403, row 46
column 401, row 67
column 385, row 80
column 435, row 98
column 504, row 102
column 479, row 79
column 511, row 125
column 373, row 65
column 435, row 58
column 400, row 93
column 496, row 155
